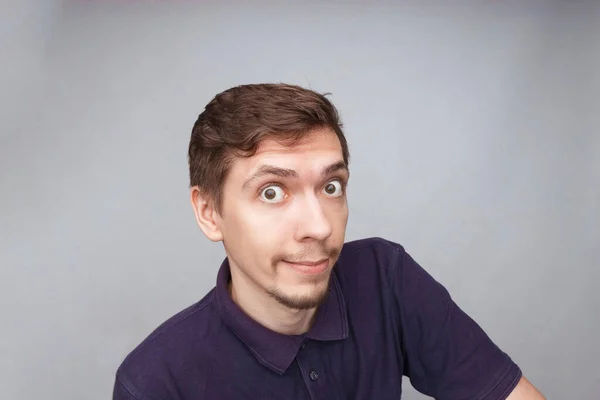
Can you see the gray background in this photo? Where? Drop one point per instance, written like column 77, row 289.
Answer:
column 473, row 128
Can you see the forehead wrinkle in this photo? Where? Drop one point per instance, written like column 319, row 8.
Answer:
column 266, row 170
column 273, row 158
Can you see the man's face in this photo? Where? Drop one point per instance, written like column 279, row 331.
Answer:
column 284, row 215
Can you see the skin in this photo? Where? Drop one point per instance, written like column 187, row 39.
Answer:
column 286, row 204
column 525, row 391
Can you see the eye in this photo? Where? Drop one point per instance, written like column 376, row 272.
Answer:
column 272, row 194
column 333, row 188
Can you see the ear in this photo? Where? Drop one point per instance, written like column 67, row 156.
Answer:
column 206, row 215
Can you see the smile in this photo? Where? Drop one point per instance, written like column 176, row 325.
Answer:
column 309, row 267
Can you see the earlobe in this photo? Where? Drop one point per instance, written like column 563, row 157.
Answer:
column 206, row 215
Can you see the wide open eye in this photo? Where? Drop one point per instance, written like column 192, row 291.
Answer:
column 272, row 194
column 333, row 188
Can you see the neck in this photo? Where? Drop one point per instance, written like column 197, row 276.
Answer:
column 265, row 310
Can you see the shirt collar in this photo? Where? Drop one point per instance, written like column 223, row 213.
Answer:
column 272, row 349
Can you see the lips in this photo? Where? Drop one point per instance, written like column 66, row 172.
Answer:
column 309, row 267
column 308, row 263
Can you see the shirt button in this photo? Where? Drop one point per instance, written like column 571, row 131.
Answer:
column 314, row 376
column 303, row 345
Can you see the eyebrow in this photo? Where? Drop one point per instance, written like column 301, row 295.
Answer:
column 271, row 170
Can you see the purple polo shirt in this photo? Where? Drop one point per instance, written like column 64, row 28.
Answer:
column 384, row 317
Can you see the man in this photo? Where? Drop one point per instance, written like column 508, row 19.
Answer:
column 297, row 313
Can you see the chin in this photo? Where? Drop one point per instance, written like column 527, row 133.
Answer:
column 298, row 300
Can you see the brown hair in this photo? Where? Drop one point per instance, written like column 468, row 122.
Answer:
column 235, row 121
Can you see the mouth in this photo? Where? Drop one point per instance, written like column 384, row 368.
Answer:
column 309, row 267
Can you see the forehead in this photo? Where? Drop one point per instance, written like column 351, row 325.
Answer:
column 318, row 147
column 317, row 140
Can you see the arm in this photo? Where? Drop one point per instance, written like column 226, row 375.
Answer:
column 121, row 392
column 447, row 355
column 525, row 391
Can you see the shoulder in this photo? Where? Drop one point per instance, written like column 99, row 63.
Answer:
column 370, row 243
column 374, row 251
column 173, row 348
column 369, row 263
column 387, row 265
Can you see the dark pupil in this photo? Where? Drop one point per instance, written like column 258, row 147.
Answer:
column 330, row 188
column 270, row 194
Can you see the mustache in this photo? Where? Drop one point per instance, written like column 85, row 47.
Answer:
column 313, row 253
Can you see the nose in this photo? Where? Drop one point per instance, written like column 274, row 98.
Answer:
column 312, row 221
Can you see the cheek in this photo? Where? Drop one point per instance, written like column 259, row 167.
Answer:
column 256, row 230
column 277, row 228
column 239, row 228
column 338, row 214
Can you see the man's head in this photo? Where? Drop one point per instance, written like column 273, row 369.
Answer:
column 268, row 171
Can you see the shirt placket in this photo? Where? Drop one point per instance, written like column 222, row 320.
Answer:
column 313, row 373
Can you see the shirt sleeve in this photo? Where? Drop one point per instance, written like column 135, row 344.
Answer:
column 447, row 355
column 123, row 390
